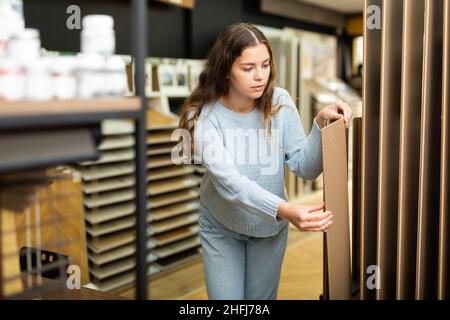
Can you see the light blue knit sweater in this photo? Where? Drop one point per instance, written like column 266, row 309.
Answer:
column 244, row 180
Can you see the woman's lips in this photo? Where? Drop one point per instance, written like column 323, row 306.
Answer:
column 258, row 88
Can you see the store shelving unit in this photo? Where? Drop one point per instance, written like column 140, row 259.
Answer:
column 58, row 117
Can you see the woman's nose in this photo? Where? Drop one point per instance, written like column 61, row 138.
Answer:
column 258, row 74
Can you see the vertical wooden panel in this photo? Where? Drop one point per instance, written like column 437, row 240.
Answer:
column 336, row 200
column 391, row 51
column 11, row 281
column 356, row 197
column 427, row 242
column 444, row 231
column 370, row 136
column 411, row 93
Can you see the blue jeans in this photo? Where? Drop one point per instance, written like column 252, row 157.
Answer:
column 240, row 267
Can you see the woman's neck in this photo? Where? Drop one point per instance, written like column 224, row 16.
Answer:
column 237, row 103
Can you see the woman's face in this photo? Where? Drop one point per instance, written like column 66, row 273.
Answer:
column 250, row 72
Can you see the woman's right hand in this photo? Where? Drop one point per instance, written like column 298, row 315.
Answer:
column 304, row 218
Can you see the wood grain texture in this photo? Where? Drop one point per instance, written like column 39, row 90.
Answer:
column 55, row 107
column 388, row 168
column 430, row 143
column 412, row 57
column 10, row 277
column 61, row 226
column 336, row 200
column 370, row 140
column 444, row 223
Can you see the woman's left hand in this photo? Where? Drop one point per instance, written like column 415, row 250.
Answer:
column 335, row 111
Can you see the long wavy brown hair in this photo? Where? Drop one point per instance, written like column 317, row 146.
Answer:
column 213, row 81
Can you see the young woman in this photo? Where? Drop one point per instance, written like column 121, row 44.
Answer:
column 244, row 131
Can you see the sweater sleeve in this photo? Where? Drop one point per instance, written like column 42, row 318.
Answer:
column 303, row 155
column 229, row 183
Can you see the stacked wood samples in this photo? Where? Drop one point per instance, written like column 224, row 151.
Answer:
column 173, row 194
column 109, row 193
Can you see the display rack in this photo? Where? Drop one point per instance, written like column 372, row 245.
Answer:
column 173, row 194
column 108, row 185
column 61, row 116
column 404, row 207
column 109, row 200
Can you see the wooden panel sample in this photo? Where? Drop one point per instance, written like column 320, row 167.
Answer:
column 173, row 210
column 121, row 280
column 116, row 282
column 113, row 268
column 430, row 142
column 107, row 198
column 10, row 282
column 356, row 198
column 52, row 108
column 173, row 197
column 109, row 184
column 116, row 127
column 179, row 246
column 370, row 139
column 336, row 200
column 391, row 53
column 412, row 55
column 160, row 136
column 174, row 184
column 157, row 149
column 98, row 215
column 106, row 171
column 178, row 259
column 111, row 226
column 444, row 223
column 116, row 142
column 175, row 235
column 111, row 156
column 170, row 172
column 159, row 161
column 200, row 169
column 172, row 223
column 112, row 255
column 111, row 241
column 157, row 120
